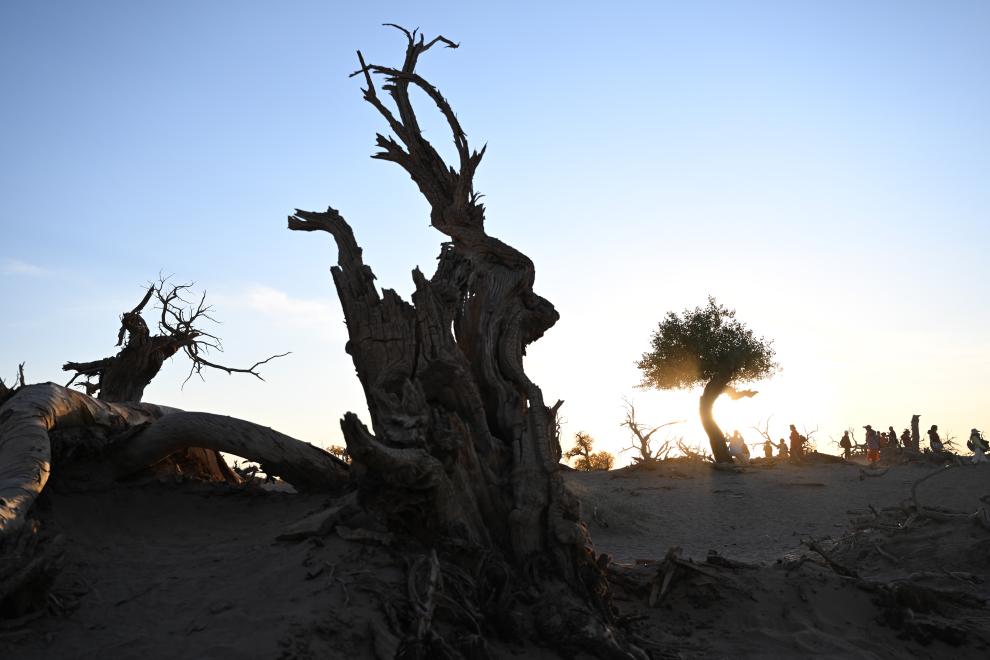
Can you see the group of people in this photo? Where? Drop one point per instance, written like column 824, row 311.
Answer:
column 739, row 450
column 877, row 442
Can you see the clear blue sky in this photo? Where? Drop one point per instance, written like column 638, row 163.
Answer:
column 823, row 167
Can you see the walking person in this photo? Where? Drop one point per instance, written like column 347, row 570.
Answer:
column 872, row 445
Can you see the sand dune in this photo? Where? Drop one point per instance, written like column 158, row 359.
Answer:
column 195, row 570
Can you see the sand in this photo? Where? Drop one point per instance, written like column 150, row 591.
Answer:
column 195, row 570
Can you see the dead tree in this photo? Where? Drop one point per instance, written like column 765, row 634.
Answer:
column 463, row 454
column 642, row 440
column 124, row 376
column 810, row 446
column 916, row 433
column 92, row 444
column 7, row 392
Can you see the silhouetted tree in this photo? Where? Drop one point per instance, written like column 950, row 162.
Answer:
column 586, row 458
column 463, row 453
column 642, row 440
column 707, row 346
column 124, row 376
column 7, row 392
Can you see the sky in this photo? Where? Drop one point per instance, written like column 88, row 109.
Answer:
column 821, row 167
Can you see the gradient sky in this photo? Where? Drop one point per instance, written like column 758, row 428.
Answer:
column 822, row 167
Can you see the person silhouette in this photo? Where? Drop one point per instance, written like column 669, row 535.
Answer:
column 934, row 441
column 846, row 445
column 978, row 445
column 872, row 445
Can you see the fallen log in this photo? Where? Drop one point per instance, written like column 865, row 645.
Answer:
column 123, row 438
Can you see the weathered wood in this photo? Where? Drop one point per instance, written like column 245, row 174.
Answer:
column 138, row 435
column 463, row 452
column 25, row 449
column 301, row 464
column 124, row 376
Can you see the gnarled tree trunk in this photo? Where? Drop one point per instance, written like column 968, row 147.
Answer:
column 124, row 376
column 463, row 453
column 716, row 438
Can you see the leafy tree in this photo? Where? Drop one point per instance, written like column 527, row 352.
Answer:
column 587, row 459
column 707, row 346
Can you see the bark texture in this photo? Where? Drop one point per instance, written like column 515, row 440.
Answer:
column 95, row 442
column 463, row 453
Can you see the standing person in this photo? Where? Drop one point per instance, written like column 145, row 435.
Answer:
column 797, row 442
column 782, row 449
column 768, row 449
column 906, row 438
column 892, row 437
column 978, row 445
column 934, row 441
column 872, row 445
column 846, row 445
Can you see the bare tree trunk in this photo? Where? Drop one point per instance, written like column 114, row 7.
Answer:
column 132, row 436
column 916, row 433
column 301, row 464
column 463, row 453
column 716, row 438
column 124, row 376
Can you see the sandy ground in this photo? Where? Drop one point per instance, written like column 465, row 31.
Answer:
column 756, row 515
column 195, row 571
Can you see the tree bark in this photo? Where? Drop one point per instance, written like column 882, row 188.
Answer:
column 306, row 467
column 124, row 377
column 463, row 453
column 716, row 438
column 122, row 438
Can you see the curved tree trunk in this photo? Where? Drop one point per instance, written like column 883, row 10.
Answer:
column 716, row 438
column 122, row 438
column 306, row 467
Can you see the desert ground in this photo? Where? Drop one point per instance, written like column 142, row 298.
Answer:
column 197, row 570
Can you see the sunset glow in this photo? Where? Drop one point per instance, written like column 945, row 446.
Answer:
column 817, row 170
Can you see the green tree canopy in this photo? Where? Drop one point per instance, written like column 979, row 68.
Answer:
column 704, row 344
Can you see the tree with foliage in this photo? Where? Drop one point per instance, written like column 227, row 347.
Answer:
column 707, row 346
column 588, row 459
